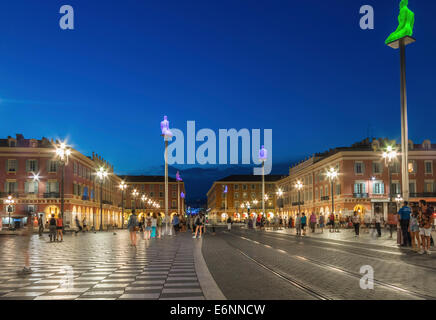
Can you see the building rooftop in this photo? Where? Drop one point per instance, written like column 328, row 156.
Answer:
column 251, row 178
column 138, row 179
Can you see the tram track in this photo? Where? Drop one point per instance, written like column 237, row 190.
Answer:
column 366, row 254
column 327, row 266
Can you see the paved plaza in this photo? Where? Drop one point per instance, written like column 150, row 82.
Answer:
column 103, row 266
column 237, row 264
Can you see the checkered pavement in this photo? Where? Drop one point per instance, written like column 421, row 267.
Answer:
column 99, row 267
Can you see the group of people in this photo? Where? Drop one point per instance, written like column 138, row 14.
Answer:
column 55, row 227
column 156, row 225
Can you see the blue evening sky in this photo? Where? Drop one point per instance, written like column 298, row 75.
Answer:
column 302, row 68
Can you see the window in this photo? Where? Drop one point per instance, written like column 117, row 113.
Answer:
column 358, row 167
column 412, row 187
column 376, row 168
column 151, row 194
column 12, row 165
column 174, row 194
column 253, row 187
column 378, row 187
column 338, row 189
column 161, row 187
column 321, row 192
column 236, row 187
column 52, row 166
column 244, row 195
column 161, row 194
column 11, row 187
column 52, row 186
column 326, row 191
column 413, row 166
column 173, row 204
column 359, row 188
column 31, row 187
column 429, row 186
column 244, row 187
column 174, row 187
column 253, row 195
column 236, row 195
column 75, row 167
column 31, row 165
column 316, row 193
column 396, row 188
column 428, row 167
column 236, row 204
column 395, row 167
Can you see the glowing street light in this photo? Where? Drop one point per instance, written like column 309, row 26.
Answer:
column 332, row 174
column 63, row 153
column 123, row 187
column 102, row 174
column 390, row 156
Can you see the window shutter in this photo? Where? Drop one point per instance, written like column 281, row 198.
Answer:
column 48, row 166
column 16, row 165
column 6, row 187
column 47, row 187
column 36, row 166
column 36, row 187
column 382, row 187
column 57, row 186
column 27, row 165
column 26, row 187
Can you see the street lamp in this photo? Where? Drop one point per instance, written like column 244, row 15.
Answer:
column 390, row 155
column 299, row 186
column 279, row 194
column 167, row 135
column 263, row 156
column 63, row 152
column 332, row 174
column 102, row 175
column 178, row 178
column 123, row 187
column 10, row 202
column 225, row 196
column 135, row 193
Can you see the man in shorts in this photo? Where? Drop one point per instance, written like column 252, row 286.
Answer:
column 425, row 222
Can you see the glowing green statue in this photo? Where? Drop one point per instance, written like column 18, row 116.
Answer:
column 406, row 21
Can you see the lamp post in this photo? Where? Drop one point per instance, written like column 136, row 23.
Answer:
column 279, row 194
column 62, row 154
column 299, row 186
column 389, row 155
column 167, row 135
column 123, row 187
column 10, row 202
column 263, row 156
column 225, row 197
column 178, row 178
column 182, row 195
column 101, row 174
column 135, row 193
column 332, row 174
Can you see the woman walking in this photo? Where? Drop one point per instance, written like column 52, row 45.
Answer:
column 59, row 229
column 147, row 232
column 321, row 223
column 332, row 222
column 132, row 226
column 414, row 230
column 303, row 223
column 298, row 224
column 356, row 223
column 159, row 225
column 153, row 225
column 313, row 222
column 229, row 223
column 199, row 225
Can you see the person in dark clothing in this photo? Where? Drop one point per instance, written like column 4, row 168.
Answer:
column 404, row 218
column 40, row 225
column 52, row 228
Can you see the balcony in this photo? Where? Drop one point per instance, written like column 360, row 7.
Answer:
column 361, row 195
column 294, row 204
column 326, row 198
column 52, row 195
column 423, row 195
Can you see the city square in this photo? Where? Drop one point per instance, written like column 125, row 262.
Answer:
column 200, row 157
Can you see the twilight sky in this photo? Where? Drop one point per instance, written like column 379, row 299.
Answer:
column 301, row 68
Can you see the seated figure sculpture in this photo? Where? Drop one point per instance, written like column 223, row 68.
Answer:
column 406, row 21
column 165, row 127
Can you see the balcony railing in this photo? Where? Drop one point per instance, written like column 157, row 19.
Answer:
column 52, row 195
column 361, row 195
column 423, row 195
column 326, row 198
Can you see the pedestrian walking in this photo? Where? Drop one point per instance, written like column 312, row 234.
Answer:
column 52, row 228
column 153, row 225
column 425, row 221
column 132, row 226
column 414, row 230
column 332, row 222
column 59, row 229
column 159, row 225
column 377, row 221
column 40, row 225
column 26, row 234
column 303, row 223
column 321, row 223
column 85, row 224
column 79, row 227
column 198, row 225
column 229, row 224
column 298, row 224
column 313, row 222
column 367, row 221
column 148, row 227
column 356, row 223
column 175, row 223
column 392, row 223
column 404, row 218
